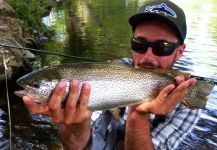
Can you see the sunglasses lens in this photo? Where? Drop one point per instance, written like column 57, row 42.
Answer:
column 159, row 48
column 138, row 45
column 163, row 48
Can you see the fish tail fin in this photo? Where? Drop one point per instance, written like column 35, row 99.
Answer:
column 198, row 95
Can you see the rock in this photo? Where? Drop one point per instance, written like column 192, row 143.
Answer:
column 6, row 7
column 13, row 34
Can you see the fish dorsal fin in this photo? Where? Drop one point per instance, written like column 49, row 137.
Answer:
column 166, row 71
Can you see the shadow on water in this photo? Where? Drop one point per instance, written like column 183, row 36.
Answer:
column 99, row 30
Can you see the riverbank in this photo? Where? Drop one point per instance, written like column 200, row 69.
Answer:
column 18, row 30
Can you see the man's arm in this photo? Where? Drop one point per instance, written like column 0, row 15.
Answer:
column 138, row 124
column 138, row 134
column 74, row 118
column 75, row 137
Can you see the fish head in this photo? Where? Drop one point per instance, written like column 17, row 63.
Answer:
column 39, row 92
column 38, row 85
column 33, row 78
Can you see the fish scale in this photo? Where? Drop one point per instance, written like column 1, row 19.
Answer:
column 112, row 84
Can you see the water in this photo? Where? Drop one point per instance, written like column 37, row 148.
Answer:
column 99, row 30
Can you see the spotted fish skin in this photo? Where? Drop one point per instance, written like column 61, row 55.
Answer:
column 112, row 85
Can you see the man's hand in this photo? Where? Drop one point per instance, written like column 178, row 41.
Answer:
column 74, row 118
column 168, row 98
column 138, row 134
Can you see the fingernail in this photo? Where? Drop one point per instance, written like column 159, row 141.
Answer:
column 74, row 82
column 62, row 84
column 25, row 98
column 172, row 86
column 193, row 83
column 181, row 78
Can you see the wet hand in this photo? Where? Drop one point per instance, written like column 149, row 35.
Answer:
column 74, row 118
column 137, row 131
column 168, row 98
column 75, row 110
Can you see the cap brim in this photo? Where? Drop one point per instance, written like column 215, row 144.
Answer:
column 143, row 17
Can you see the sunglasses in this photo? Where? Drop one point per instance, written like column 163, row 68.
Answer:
column 159, row 48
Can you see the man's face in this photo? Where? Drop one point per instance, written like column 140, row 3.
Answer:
column 152, row 32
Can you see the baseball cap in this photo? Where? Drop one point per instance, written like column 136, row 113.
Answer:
column 165, row 11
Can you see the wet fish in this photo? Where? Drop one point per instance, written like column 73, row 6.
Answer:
column 112, row 85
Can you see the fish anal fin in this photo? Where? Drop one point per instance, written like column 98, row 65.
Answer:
column 115, row 112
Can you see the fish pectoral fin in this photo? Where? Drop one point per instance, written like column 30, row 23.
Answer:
column 207, row 97
column 198, row 95
column 115, row 112
column 186, row 103
column 195, row 103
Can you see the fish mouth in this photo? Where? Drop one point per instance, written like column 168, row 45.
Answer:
column 20, row 93
column 24, row 91
column 27, row 92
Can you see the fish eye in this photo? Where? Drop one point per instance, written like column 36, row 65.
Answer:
column 35, row 84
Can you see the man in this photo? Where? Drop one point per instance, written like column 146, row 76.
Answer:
column 159, row 31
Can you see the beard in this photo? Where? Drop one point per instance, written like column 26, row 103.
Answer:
column 145, row 65
column 151, row 65
column 148, row 65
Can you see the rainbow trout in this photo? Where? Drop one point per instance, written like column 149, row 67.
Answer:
column 112, row 85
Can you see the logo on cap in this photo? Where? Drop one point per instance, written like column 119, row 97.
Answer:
column 162, row 8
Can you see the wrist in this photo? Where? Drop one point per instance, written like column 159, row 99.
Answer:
column 75, row 136
column 139, row 120
column 138, row 131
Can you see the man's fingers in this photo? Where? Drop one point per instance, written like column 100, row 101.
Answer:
column 71, row 102
column 168, row 98
column 179, row 79
column 145, row 107
column 85, row 94
column 184, row 85
column 192, row 81
column 81, row 112
column 180, row 92
column 55, row 102
column 164, row 93
column 35, row 108
column 73, row 95
column 184, row 94
column 162, row 97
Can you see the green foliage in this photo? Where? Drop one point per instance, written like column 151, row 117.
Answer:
column 31, row 12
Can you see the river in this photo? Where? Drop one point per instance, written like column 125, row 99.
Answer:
column 99, row 30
